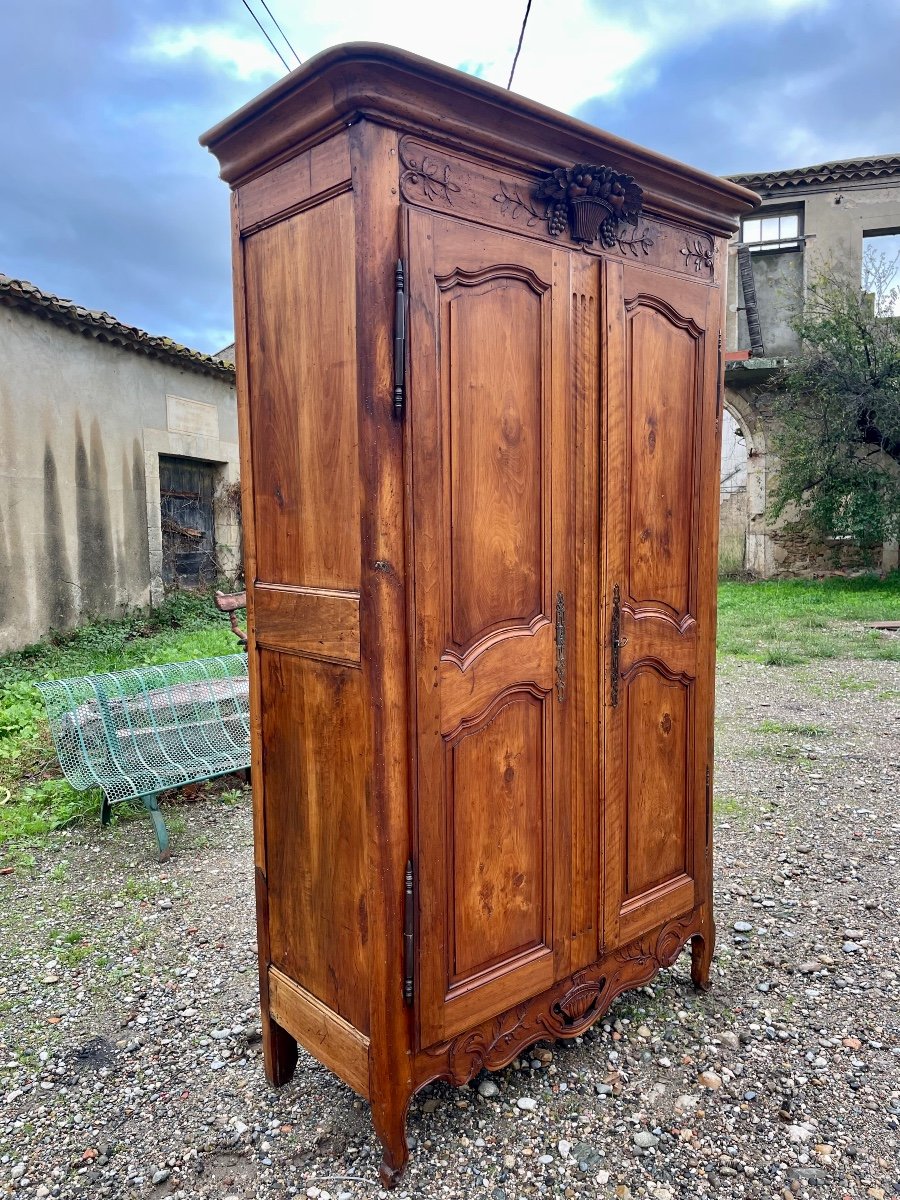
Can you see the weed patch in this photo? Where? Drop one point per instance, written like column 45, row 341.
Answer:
column 788, row 622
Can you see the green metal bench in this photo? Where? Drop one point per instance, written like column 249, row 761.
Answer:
column 139, row 732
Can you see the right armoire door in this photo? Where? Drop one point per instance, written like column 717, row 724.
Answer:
column 660, row 372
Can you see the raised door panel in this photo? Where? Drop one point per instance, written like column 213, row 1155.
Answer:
column 660, row 405
column 488, row 691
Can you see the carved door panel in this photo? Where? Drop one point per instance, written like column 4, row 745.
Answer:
column 488, row 433
column 660, row 376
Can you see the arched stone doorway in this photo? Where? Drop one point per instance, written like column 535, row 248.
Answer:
column 745, row 543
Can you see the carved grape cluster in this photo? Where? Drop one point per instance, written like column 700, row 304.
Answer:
column 557, row 218
column 608, row 232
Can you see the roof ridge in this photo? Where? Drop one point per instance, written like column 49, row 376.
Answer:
column 20, row 293
column 864, row 167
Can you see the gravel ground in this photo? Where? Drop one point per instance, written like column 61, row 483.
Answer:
column 130, row 1063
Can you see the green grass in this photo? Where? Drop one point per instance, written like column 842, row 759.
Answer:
column 788, row 622
column 33, row 797
column 768, row 726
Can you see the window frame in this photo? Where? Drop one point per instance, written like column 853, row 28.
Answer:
column 788, row 245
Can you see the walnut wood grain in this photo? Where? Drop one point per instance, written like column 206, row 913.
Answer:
column 315, row 622
column 430, row 592
column 309, row 178
column 330, row 1039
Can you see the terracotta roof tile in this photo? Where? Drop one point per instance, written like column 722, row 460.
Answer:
column 19, row 293
column 830, row 172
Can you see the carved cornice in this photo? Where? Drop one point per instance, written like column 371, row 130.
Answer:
column 565, row 1011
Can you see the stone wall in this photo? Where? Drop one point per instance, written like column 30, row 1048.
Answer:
column 82, row 425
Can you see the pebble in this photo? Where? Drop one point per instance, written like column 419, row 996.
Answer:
column 160, row 1177
column 850, row 947
column 645, row 1140
column 157, row 1019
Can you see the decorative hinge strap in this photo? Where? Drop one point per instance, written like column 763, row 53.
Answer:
column 720, row 383
column 408, row 930
column 560, row 647
column 399, row 339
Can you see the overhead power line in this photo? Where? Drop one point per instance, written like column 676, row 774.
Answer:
column 519, row 47
column 265, row 33
column 281, row 31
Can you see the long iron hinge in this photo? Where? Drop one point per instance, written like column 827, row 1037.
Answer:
column 399, row 339
column 720, row 383
column 560, row 647
column 408, row 929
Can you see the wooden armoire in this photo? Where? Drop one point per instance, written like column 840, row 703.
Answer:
column 479, row 366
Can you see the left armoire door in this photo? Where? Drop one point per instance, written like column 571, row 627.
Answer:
column 488, row 327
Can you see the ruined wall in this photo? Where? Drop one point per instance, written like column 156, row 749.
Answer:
column 82, row 424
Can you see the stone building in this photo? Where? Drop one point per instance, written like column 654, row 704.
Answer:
column 809, row 216
column 118, row 460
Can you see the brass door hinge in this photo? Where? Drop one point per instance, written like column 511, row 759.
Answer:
column 720, row 384
column 399, row 339
column 409, row 948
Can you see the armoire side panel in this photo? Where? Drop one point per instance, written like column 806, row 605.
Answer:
column 313, row 747
column 301, row 320
column 314, row 727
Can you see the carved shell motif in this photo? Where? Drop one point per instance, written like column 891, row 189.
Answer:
column 591, row 200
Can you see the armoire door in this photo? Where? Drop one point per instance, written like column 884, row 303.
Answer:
column 660, row 375
column 487, row 437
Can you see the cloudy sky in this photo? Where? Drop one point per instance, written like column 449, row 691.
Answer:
column 107, row 199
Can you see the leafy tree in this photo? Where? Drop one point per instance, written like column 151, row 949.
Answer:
column 838, row 406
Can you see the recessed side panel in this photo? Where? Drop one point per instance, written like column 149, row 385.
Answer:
column 658, row 757
column 314, row 744
column 499, row 846
column 494, row 452
column 301, row 321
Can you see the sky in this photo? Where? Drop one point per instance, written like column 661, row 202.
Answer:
column 107, row 199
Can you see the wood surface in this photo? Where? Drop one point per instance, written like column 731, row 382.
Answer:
column 484, row 406
column 316, row 622
column 660, row 387
column 334, row 1042
column 430, row 598
column 314, row 743
column 306, row 179
column 301, row 317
